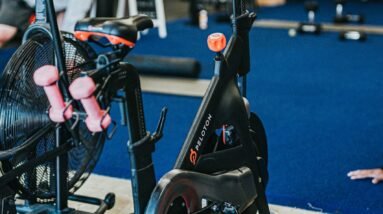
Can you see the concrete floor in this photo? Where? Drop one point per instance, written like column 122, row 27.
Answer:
column 99, row 186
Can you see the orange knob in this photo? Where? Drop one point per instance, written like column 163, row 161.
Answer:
column 216, row 42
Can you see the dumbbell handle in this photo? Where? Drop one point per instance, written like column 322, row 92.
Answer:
column 54, row 96
column 91, row 107
column 97, row 120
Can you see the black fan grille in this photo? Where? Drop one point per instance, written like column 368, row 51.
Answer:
column 23, row 108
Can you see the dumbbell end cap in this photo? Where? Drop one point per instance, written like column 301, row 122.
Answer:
column 82, row 87
column 46, row 75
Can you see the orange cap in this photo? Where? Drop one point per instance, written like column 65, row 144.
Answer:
column 216, row 42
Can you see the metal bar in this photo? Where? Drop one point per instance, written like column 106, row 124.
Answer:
column 57, row 42
column 61, row 175
column 85, row 199
column 26, row 144
column 283, row 24
column 11, row 175
column 40, row 11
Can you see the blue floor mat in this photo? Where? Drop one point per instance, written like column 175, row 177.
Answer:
column 5, row 55
column 320, row 100
column 295, row 11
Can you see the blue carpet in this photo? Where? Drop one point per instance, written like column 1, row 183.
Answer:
column 5, row 55
column 320, row 100
column 295, row 11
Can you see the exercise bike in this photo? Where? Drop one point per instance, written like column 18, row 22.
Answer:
column 56, row 112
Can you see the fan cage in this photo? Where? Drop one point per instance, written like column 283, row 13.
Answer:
column 23, row 107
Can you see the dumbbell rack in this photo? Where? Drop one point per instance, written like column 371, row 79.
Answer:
column 341, row 18
column 309, row 27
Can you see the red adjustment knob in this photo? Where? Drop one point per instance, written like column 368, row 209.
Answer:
column 82, row 89
column 216, row 42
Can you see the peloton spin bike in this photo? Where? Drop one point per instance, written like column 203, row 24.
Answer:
column 221, row 168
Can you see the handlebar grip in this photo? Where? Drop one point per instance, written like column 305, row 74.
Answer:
column 82, row 89
column 47, row 77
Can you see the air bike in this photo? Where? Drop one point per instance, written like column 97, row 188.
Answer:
column 55, row 97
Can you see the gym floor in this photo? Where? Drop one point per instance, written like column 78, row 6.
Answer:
column 319, row 98
column 124, row 202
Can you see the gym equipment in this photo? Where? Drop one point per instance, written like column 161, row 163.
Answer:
column 341, row 18
column 152, row 8
column 222, row 167
column 198, row 10
column 198, row 14
column 310, row 27
column 165, row 66
column 42, row 163
column 353, row 35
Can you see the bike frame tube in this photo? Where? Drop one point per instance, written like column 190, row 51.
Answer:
column 40, row 11
column 62, row 160
column 57, row 42
column 232, row 59
column 221, row 104
column 140, row 146
column 46, row 23
column 239, row 9
column 236, row 11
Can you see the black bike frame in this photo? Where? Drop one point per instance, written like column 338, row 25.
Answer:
column 222, row 104
column 45, row 14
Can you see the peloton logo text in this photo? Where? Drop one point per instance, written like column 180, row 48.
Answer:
column 194, row 151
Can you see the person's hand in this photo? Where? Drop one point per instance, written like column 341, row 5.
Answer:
column 6, row 33
column 375, row 174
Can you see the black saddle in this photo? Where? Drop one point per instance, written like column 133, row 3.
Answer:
column 116, row 30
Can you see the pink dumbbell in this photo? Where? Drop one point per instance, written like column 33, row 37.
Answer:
column 47, row 77
column 82, row 89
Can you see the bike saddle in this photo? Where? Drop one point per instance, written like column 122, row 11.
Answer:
column 116, row 30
